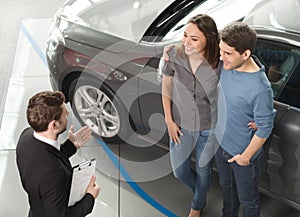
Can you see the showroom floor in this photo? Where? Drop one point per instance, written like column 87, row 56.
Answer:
column 12, row 13
column 25, row 72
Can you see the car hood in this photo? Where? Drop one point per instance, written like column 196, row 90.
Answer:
column 121, row 18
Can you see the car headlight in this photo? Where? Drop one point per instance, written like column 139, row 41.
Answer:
column 55, row 43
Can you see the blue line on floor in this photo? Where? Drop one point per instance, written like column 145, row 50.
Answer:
column 34, row 44
column 133, row 184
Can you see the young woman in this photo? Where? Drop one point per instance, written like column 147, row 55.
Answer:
column 189, row 94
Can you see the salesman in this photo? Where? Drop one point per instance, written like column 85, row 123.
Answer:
column 43, row 162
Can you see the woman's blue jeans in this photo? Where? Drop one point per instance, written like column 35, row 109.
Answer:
column 239, row 185
column 181, row 159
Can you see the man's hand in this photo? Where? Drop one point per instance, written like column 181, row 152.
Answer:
column 93, row 188
column 240, row 160
column 80, row 137
column 167, row 48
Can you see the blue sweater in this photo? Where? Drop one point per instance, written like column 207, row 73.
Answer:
column 243, row 97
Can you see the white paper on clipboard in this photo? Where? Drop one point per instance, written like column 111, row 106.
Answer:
column 82, row 174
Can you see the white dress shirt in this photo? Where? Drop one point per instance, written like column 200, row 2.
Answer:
column 54, row 143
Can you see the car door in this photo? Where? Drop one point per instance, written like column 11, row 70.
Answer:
column 150, row 101
column 282, row 172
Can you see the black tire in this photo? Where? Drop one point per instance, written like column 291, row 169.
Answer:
column 96, row 106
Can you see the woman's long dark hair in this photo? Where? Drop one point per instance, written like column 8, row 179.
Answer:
column 208, row 27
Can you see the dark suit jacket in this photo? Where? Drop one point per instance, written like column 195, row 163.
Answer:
column 46, row 175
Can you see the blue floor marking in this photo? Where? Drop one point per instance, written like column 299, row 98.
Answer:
column 34, row 44
column 111, row 155
column 133, row 184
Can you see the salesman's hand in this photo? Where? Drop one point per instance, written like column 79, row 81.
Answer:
column 80, row 137
column 93, row 188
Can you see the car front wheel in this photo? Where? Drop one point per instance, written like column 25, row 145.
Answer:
column 95, row 106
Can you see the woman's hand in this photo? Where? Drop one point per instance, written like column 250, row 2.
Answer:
column 252, row 125
column 174, row 132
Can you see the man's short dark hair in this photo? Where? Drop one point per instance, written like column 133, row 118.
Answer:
column 239, row 36
column 43, row 108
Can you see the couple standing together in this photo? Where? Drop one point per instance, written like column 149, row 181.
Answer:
column 218, row 102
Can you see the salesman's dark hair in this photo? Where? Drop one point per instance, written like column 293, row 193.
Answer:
column 43, row 108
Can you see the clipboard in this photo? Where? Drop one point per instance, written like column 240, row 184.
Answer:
column 82, row 174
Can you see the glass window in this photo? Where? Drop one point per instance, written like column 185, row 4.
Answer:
column 282, row 64
column 234, row 9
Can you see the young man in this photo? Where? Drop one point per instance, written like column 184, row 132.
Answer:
column 43, row 163
column 245, row 95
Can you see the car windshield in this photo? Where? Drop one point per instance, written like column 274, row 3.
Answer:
column 223, row 12
column 127, row 19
